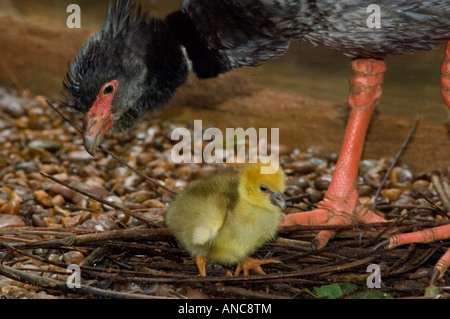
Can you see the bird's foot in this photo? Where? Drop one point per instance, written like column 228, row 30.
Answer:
column 333, row 211
column 426, row 236
column 253, row 264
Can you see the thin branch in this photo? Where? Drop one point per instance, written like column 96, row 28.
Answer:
column 114, row 156
column 57, row 285
column 101, row 200
column 441, row 192
column 397, row 157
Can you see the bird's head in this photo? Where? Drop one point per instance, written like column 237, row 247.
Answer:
column 261, row 189
column 132, row 66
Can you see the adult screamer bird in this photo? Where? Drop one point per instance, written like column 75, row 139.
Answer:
column 225, row 217
column 136, row 63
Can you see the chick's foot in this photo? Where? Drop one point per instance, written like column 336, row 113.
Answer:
column 333, row 211
column 253, row 264
column 201, row 265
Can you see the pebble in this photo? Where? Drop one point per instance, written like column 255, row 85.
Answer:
column 73, row 257
column 401, row 177
column 314, row 195
column 37, row 221
column 43, row 197
column 58, row 200
column 12, row 207
column 323, row 182
column 112, row 199
column 80, row 155
column 48, row 145
column 140, row 196
column 301, row 167
column 11, row 221
column 391, row 194
column 57, row 189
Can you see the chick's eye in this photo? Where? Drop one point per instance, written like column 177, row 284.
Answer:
column 109, row 89
column 263, row 188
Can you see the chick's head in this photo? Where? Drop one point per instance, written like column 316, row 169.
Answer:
column 261, row 186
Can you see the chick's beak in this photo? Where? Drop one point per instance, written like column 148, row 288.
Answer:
column 95, row 127
column 278, row 200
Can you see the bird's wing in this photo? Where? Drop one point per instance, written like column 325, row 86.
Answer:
column 211, row 202
column 206, row 230
column 245, row 33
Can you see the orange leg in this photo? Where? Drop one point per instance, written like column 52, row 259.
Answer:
column 201, row 265
column 441, row 232
column 445, row 75
column 255, row 264
column 341, row 205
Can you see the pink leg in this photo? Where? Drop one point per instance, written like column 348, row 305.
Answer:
column 340, row 205
column 441, row 232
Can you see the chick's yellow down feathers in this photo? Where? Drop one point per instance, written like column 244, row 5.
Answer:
column 225, row 217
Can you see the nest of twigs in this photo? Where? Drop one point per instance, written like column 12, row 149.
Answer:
column 60, row 207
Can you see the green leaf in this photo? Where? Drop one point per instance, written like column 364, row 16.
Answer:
column 332, row 291
column 348, row 291
column 431, row 291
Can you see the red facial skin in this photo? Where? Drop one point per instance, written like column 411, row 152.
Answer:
column 98, row 120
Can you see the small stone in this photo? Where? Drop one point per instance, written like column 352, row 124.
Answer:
column 76, row 220
column 323, row 182
column 301, row 167
column 154, row 203
column 57, row 189
column 56, row 258
column 401, row 177
column 318, row 162
column 47, row 145
column 37, row 221
column 73, row 257
column 391, row 193
column 314, row 195
column 43, row 197
column 112, row 199
column 57, row 210
column 12, row 207
column 28, row 167
column 58, row 200
column 140, row 196
column 366, row 190
column 80, row 155
column 11, row 221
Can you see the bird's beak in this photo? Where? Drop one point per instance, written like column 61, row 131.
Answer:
column 95, row 127
column 278, row 200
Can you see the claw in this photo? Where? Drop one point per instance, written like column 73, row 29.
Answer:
column 381, row 244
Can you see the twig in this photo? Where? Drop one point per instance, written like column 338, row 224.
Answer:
column 52, row 284
column 397, row 157
column 114, row 156
column 12, row 76
column 438, row 209
column 441, row 193
column 101, row 200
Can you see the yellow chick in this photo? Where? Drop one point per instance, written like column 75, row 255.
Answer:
column 225, row 217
